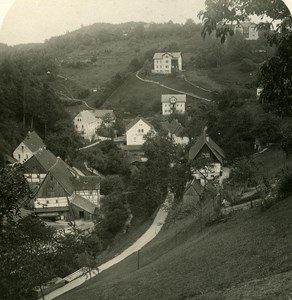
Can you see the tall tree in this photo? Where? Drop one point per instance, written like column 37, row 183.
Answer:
column 276, row 72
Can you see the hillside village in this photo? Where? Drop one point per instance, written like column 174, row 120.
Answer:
column 187, row 141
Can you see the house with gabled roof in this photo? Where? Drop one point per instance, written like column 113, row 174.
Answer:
column 31, row 144
column 37, row 167
column 167, row 62
column 176, row 131
column 172, row 104
column 63, row 194
column 193, row 193
column 206, row 148
column 88, row 121
column 136, row 131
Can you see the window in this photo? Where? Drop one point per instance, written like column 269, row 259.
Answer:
column 48, row 202
column 22, row 148
column 82, row 126
column 19, row 156
column 57, row 201
column 142, row 130
column 206, row 155
column 166, row 61
column 26, row 156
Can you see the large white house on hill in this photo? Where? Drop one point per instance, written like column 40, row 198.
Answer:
column 173, row 104
column 248, row 30
column 87, row 121
column 167, row 62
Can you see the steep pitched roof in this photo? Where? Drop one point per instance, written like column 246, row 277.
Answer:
column 159, row 55
column 103, row 113
column 33, row 142
column 46, row 158
column 174, row 127
column 61, row 171
column 85, row 182
column 196, row 186
column 136, row 120
column 180, row 98
column 205, row 140
column 84, row 204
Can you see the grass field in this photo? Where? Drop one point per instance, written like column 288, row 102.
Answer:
column 253, row 248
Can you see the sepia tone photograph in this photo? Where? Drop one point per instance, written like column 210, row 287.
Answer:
column 145, row 149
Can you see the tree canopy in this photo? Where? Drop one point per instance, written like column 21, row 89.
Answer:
column 275, row 77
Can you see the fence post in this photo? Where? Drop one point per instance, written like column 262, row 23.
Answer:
column 138, row 257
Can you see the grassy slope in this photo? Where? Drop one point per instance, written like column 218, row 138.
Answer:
column 185, row 263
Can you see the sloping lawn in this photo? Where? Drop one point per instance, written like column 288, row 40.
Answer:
column 183, row 262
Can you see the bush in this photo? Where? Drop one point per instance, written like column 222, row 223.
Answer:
column 285, row 185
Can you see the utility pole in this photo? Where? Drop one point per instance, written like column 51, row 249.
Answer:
column 138, row 257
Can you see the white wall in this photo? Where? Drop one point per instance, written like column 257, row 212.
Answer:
column 209, row 174
column 180, row 107
column 136, row 134
column 22, row 153
column 51, row 202
column 91, row 195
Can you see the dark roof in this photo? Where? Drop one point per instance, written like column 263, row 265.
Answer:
column 85, row 182
column 174, row 127
column 84, row 204
column 33, row 142
column 137, row 119
column 206, row 140
column 195, row 186
column 51, row 209
column 61, row 172
column 45, row 157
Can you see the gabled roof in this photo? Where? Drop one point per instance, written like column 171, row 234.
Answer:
column 84, row 204
column 87, row 116
column 85, row 183
column 195, row 186
column 103, row 113
column 61, row 172
column 205, row 140
column 33, row 142
column 174, row 127
column 45, row 157
column 159, row 55
column 136, row 120
column 180, row 98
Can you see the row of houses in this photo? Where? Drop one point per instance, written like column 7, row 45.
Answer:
column 59, row 191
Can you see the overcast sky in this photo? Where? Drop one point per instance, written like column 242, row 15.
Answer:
column 36, row 20
column 25, row 21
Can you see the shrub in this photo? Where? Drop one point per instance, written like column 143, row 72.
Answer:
column 285, row 185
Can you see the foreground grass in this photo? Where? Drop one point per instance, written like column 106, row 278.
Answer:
column 186, row 263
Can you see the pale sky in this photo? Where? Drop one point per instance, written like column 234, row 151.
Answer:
column 25, row 21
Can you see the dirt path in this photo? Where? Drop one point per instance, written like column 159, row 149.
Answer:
column 172, row 89
column 140, row 243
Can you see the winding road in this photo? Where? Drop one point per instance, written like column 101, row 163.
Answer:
column 172, row 89
column 148, row 236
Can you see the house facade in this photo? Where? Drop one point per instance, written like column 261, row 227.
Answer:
column 248, row 30
column 137, row 130
column 31, row 144
column 173, row 104
column 205, row 148
column 65, row 195
column 88, row 121
column 167, row 62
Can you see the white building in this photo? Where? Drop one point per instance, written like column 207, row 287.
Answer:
column 28, row 147
column 248, row 30
column 167, row 62
column 87, row 121
column 137, row 130
column 173, row 104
